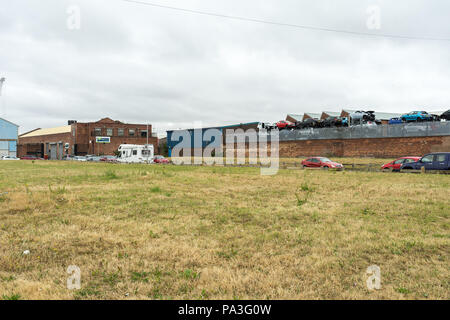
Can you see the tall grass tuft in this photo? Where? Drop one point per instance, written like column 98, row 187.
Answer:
column 110, row 175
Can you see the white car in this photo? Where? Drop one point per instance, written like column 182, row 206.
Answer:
column 9, row 158
column 80, row 158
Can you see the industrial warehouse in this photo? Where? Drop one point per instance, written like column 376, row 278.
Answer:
column 94, row 138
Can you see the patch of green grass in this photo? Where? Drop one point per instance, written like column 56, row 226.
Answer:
column 14, row 296
column 153, row 235
column 402, row 290
column 155, row 189
column 8, row 278
column 140, row 276
column 301, row 201
column 367, row 211
column 227, row 254
column 90, row 290
column 190, row 274
column 110, row 175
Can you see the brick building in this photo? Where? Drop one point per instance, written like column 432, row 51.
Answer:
column 100, row 138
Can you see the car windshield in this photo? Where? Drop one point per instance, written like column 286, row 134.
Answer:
column 325, row 160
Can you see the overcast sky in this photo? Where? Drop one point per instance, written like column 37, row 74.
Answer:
column 138, row 63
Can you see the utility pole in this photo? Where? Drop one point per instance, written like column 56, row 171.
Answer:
column 146, row 146
column 2, row 80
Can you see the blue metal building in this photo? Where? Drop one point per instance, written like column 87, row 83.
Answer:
column 9, row 133
column 205, row 142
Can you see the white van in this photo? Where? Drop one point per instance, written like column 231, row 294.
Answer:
column 135, row 153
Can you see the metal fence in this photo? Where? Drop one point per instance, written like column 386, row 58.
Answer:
column 416, row 129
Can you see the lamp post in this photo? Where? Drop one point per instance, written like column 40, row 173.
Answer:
column 2, row 80
column 146, row 146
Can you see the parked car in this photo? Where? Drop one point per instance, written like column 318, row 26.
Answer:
column 93, row 158
column 359, row 117
column 308, row 123
column 160, row 159
column 431, row 161
column 397, row 163
column 285, row 125
column 446, row 115
column 321, row 162
column 9, row 158
column 69, row 157
column 395, row 121
column 80, row 158
column 108, row 158
column 30, row 157
column 416, row 116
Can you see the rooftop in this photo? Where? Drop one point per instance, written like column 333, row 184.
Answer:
column 47, row 131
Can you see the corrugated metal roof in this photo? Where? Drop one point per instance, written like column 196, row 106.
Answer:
column 9, row 122
column 332, row 113
column 314, row 115
column 296, row 116
column 44, row 132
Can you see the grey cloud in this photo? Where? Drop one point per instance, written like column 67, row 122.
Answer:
column 138, row 63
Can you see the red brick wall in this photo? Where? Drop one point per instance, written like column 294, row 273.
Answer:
column 382, row 148
column 31, row 145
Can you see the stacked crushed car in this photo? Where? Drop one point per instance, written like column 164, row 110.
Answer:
column 354, row 119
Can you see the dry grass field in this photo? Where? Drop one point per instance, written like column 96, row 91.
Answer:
column 182, row 232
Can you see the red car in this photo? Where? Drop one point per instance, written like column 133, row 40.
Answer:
column 321, row 162
column 160, row 159
column 30, row 157
column 284, row 125
column 108, row 159
column 397, row 163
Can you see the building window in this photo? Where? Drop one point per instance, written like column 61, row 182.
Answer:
column 131, row 132
column 109, row 132
column 143, row 133
column 98, row 131
column 120, row 132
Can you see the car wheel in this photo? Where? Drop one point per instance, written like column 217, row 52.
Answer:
column 325, row 168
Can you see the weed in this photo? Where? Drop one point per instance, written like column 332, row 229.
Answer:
column 15, row 296
column 110, row 175
column 155, row 189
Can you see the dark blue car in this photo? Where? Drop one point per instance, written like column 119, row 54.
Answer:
column 395, row 121
column 431, row 161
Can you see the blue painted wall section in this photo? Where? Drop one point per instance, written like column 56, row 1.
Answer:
column 8, row 135
column 200, row 133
